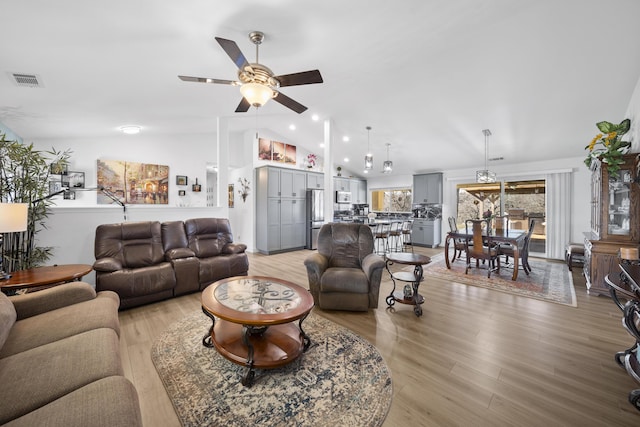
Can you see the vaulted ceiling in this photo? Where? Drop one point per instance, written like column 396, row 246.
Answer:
column 427, row 75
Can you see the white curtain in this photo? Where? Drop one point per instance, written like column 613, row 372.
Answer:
column 558, row 225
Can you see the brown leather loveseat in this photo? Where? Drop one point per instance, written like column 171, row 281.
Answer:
column 148, row 261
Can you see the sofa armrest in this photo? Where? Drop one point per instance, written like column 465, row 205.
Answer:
column 178, row 253
column 34, row 303
column 234, row 248
column 371, row 263
column 107, row 265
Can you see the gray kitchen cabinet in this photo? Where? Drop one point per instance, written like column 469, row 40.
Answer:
column 427, row 188
column 280, row 219
column 341, row 184
column 426, row 232
column 315, row 180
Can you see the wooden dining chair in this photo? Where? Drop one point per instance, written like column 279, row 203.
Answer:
column 459, row 245
column 483, row 247
column 507, row 249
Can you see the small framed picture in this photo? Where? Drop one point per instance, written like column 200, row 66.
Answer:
column 181, row 180
column 182, row 193
column 58, row 168
column 73, row 180
column 231, row 200
column 69, row 195
column 55, row 186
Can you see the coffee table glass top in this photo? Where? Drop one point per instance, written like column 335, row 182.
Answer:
column 260, row 296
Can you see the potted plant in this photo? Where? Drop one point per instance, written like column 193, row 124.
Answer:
column 339, row 169
column 24, row 178
column 608, row 146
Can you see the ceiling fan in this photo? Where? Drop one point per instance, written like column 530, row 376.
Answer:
column 257, row 82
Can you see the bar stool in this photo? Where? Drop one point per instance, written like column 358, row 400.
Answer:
column 381, row 236
column 407, row 227
column 395, row 237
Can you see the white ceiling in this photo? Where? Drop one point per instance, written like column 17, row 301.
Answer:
column 426, row 75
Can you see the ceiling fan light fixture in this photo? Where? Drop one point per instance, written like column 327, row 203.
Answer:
column 256, row 94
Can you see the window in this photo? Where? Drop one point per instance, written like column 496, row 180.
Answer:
column 391, row 200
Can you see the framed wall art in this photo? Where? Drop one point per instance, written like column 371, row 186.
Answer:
column 133, row 183
column 73, row 180
column 181, row 180
column 231, row 196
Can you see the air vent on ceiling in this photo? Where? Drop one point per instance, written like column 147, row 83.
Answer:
column 494, row 159
column 26, row 80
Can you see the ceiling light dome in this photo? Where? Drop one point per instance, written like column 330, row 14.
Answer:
column 130, row 130
column 256, row 94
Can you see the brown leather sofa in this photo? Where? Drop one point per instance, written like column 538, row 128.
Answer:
column 148, row 261
column 345, row 274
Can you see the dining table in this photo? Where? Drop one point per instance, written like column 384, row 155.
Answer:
column 504, row 235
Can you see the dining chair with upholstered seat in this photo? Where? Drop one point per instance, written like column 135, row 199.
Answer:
column 483, row 247
column 507, row 249
column 459, row 245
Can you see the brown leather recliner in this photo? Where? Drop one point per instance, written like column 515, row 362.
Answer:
column 130, row 261
column 345, row 274
column 211, row 241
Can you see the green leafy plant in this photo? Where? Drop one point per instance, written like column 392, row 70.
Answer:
column 608, row 146
column 24, row 178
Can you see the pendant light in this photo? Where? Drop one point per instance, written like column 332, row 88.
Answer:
column 486, row 176
column 387, row 165
column 368, row 158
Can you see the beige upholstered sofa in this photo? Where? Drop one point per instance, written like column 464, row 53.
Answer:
column 148, row 261
column 60, row 360
column 345, row 274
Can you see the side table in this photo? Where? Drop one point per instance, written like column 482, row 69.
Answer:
column 37, row 277
column 412, row 278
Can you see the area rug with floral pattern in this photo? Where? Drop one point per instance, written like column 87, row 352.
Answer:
column 340, row 380
column 548, row 280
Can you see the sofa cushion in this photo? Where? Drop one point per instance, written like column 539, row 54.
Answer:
column 100, row 312
column 7, row 318
column 351, row 280
column 107, row 402
column 208, row 236
column 134, row 244
column 36, row 377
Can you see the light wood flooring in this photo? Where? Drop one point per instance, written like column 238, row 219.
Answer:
column 475, row 358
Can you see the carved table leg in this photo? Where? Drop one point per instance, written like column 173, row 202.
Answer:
column 206, row 340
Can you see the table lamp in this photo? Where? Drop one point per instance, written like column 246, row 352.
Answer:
column 13, row 218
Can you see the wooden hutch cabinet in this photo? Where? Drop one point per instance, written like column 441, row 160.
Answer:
column 615, row 203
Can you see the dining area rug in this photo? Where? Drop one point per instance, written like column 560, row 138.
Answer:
column 340, row 380
column 548, row 280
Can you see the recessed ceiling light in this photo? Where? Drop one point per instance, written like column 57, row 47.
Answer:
column 315, row 117
column 130, row 130
column 346, row 160
column 292, row 127
column 345, row 138
column 322, row 145
column 366, row 171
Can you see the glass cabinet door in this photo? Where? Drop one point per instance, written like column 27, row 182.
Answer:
column 619, row 202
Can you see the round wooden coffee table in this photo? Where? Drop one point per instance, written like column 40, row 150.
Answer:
column 37, row 277
column 253, row 321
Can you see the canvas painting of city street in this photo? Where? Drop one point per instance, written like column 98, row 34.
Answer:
column 133, row 183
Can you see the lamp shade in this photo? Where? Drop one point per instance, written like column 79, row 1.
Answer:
column 256, row 94
column 13, row 217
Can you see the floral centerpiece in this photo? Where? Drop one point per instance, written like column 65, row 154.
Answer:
column 487, row 214
column 312, row 160
column 608, row 146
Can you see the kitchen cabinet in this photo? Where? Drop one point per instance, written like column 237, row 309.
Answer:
column 426, row 232
column 280, row 206
column 358, row 190
column 615, row 203
column 427, row 188
column 315, row 180
column 341, row 184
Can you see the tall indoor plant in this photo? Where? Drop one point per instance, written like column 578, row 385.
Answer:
column 24, row 178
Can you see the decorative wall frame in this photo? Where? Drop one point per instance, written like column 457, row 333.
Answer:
column 276, row 151
column 69, row 195
column 182, row 193
column 182, row 180
column 73, row 180
column 134, row 183
column 231, row 196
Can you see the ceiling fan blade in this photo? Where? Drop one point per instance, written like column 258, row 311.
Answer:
column 289, row 103
column 304, row 78
column 234, row 52
column 208, row 80
column 243, row 107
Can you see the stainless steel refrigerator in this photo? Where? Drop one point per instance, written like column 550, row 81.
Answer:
column 315, row 216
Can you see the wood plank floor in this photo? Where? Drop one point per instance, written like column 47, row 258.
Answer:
column 476, row 357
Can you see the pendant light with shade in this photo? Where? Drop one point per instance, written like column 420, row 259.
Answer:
column 486, row 176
